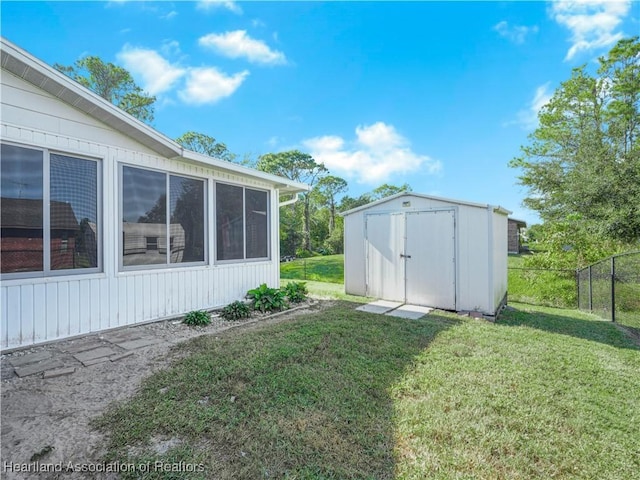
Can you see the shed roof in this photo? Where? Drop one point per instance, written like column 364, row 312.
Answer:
column 496, row 208
column 520, row 223
column 24, row 65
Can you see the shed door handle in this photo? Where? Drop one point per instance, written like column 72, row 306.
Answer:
column 402, row 255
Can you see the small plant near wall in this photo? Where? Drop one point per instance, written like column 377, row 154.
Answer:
column 296, row 291
column 267, row 299
column 197, row 318
column 236, row 311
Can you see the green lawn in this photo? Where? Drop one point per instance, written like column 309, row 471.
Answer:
column 538, row 287
column 327, row 268
column 340, row 394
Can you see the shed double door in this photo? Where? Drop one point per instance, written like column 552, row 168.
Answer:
column 411, row 257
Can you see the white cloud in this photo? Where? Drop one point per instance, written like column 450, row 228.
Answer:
column 208, row 5
column 515, row 33
column 156, row 73
column 169, row 15
column 592, row 23
column 208, row 85
column 528, row 117
column 238, row 44
column 377, row 152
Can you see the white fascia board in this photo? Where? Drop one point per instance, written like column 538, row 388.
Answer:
column 283, row 184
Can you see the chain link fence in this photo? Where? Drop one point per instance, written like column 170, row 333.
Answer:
column 611, row 289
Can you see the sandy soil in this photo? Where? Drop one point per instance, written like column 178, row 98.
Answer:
column 47, row 420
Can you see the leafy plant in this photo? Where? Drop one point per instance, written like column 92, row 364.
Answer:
column 236, row 311
column 296, row 291
column 197, row 318
column 267, row 299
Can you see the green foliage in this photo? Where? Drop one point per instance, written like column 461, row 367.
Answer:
column 112, row 83
column 296, row 291
column 267, row 299
column 201, row 143
column 386, row 190
column 236, row 311
column 584, row 157
column 197, row 318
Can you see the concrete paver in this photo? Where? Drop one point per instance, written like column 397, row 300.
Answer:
column 139, row 343
column 39, row 367
column 412, row 312
column 60, row 372
column 89, row 355
column 30, row 358
column 379, row 306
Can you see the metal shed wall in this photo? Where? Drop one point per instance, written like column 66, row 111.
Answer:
column 480, row 270
column 39, row 309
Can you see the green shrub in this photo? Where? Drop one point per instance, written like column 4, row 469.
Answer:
column 197, row 318
column 296, row 291
column 236, row 311
column 267, row 299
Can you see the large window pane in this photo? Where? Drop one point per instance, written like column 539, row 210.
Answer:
column 21, row 214
column 229, row 222
column 186, row 230
column 144, row 217
column 74, row 213
column 256, row 220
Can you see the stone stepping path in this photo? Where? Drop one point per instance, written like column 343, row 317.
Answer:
column 395, row 309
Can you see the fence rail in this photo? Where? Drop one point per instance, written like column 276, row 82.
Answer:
column 610, row 288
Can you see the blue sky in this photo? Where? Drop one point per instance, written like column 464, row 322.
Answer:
column 439, row 95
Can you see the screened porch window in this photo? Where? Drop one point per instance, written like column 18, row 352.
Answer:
column 242, row 223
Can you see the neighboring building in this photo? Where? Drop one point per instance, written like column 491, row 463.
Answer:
column 106, row 222
column 515, row 228
column 430, row 251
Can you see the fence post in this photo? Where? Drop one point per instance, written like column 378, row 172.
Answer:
column 590, row 291
column 613, row 289
column 578, row 286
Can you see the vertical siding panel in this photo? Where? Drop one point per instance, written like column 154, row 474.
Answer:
column 26, row 311
column 123, row 306
column 85, row 306
column 161, row 296
column 39, row 312
column 105, row 295
column 155, row 299
column 52, row 310
column 63, row 309
column 114, row 302
column 139, row 298
column 5, row 317
column 74, row 307
column 131, row 300
column 95, row 304
column 13, row 316
column 146, row 296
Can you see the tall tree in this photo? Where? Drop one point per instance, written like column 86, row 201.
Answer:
column 301, row 167
column 201, row 143
column 327, row 189
column 583, row 160
column 112, row 83
column 386, row 190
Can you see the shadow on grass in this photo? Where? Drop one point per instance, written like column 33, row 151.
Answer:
column 594, row 330
column 303, row 398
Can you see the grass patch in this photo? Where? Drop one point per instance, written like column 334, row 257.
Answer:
column 326, row 268
column 339, row 394
column 323, row 290
column 540, row 287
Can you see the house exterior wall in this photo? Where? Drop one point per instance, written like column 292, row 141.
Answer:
column 514, row 237
column 476, row 250
column 39, row 309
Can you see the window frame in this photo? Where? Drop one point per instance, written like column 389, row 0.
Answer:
column 244, row 225
column 46, row 271
column 168, row 264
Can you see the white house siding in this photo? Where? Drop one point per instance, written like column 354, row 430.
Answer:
column 480, row 266
column 40, row 309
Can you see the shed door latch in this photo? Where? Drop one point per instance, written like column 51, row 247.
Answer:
column 402, row 255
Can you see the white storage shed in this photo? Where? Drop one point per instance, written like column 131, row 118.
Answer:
column 424, row 250
column 106, row 222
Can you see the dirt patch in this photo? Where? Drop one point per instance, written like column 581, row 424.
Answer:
column 45, row 421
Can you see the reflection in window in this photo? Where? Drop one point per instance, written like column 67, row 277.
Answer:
column 229, row 219
column 144, row 217
column 242, row 223
column 146, row 225
column 21, row 212
column 186, row 229
column 74, row 213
